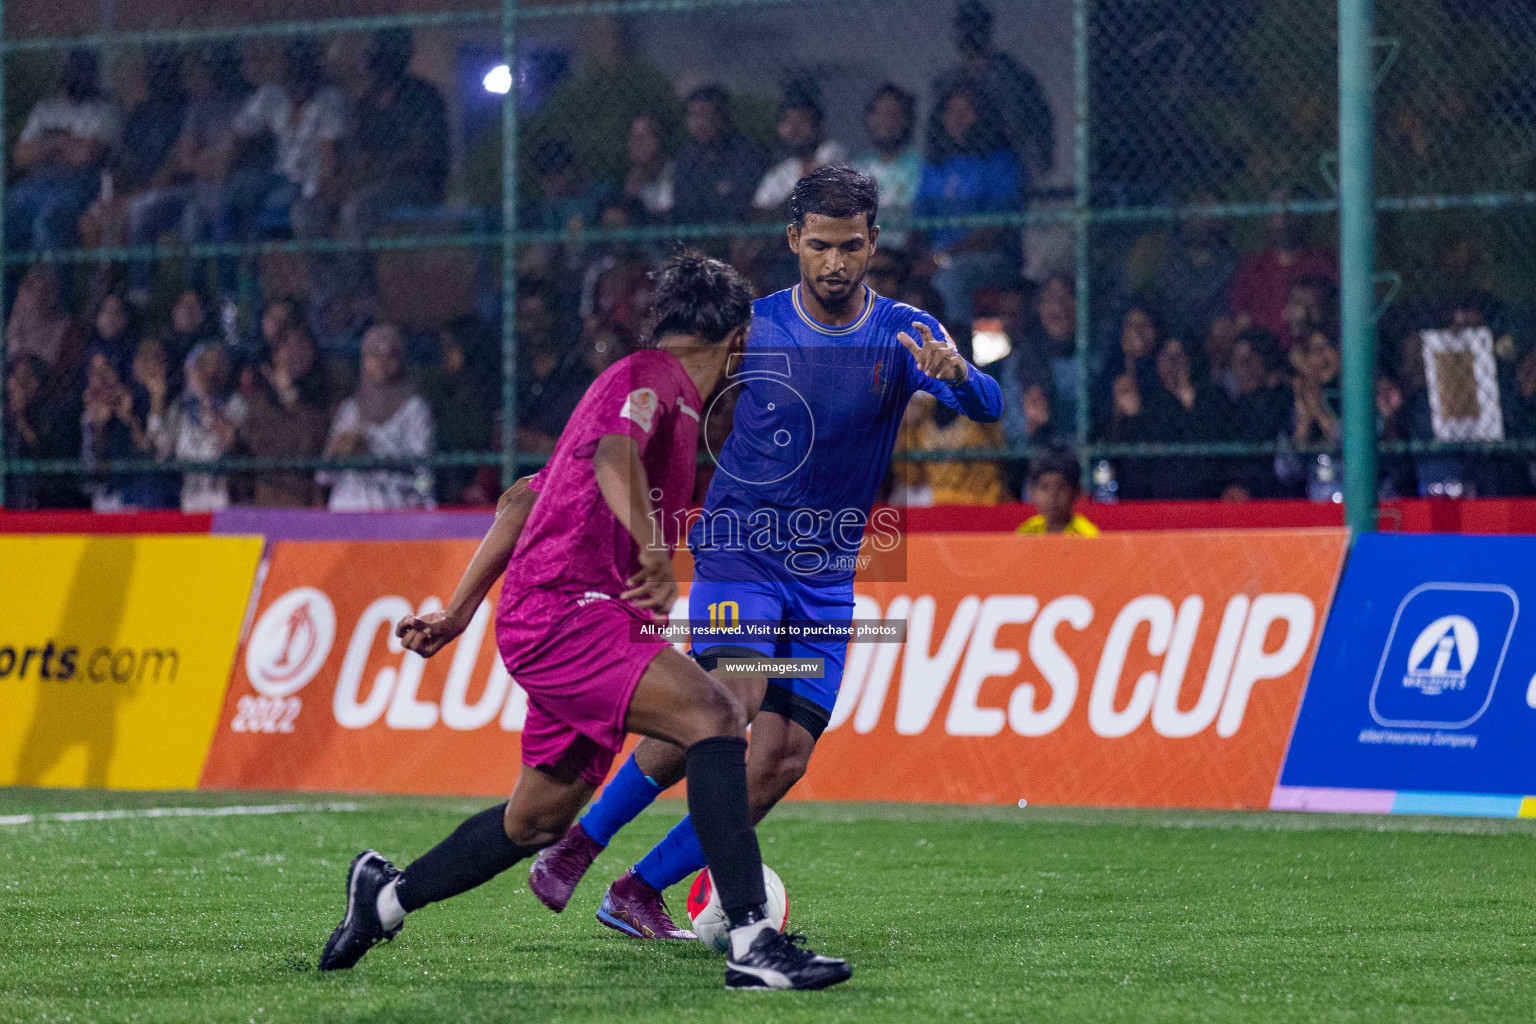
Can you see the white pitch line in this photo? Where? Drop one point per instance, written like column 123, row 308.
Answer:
column 233, row 811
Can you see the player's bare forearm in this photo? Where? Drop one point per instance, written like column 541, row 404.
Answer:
column 622, row 479
column 495, row 550
column 626, row 488
column 428, row 634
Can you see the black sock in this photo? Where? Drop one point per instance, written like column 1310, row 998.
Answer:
column 476, row 852
column 717, row 802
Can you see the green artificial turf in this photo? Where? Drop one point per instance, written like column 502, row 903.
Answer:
column 946, row 913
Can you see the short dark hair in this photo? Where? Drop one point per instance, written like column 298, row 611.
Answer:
column 1058, row 458
column 697, row 295
column 835, row 192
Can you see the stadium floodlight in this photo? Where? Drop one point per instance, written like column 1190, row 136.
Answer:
column 499, row 80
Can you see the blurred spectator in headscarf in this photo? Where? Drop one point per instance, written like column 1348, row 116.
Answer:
column 204, row 425
column 384, row 419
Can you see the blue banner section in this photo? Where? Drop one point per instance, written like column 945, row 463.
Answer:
column 1425, row 679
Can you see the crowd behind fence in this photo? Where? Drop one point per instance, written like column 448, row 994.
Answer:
column 301, row 264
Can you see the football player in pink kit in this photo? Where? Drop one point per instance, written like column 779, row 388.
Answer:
column 587, row 549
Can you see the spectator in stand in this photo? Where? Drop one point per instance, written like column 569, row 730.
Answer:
column 1129, row 363
column 1051, row 335
column 59, row 155
column 976, row 482
column 612, row 87
column 567, row 199
column 38, row 426
column 1008, row 95
column 967, row 170
column 41, row 328
column 185, row 192
column 803, row 130
column 395, row 156
column 205, row 425
column 1259, row 411
column 649, row 179
column 718, row 172
column 1055, row 484
column 1315, row 386
column 551, row 379
column 617, row 281
column 287, row 412
column 1265, row 279
column 1308, row 310
column 464, row 391
column 1176, row 408
column 892, row 160
column 385, row 419
column 121, row 422
column 1193, row 280
column 277, row 315
column 116, row 331
column 307, row 117
column 193, row 323
column 142, row 159
column 888, row 270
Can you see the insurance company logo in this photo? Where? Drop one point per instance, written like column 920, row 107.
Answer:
column 1443, row 655
column 291, row 641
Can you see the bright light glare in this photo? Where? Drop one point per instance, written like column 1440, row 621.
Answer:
column 499, row 80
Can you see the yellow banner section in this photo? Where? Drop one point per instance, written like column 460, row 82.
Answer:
column 114, row 655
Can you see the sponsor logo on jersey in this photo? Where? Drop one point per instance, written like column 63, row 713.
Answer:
column 640, row 407
column 878, row 386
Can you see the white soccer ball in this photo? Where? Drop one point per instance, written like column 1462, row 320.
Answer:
column 708, row 917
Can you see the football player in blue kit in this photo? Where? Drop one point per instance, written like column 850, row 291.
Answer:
column 819, row 397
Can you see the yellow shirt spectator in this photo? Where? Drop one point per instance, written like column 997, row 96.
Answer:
column 1078, row 526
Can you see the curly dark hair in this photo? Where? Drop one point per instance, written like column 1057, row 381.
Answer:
column 700, row 296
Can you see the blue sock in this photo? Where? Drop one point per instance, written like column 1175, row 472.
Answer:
column 677, row 856
column 626, row 795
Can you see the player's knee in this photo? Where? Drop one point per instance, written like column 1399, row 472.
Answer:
column 782, row 772
column 720, row 712
column 533, row 830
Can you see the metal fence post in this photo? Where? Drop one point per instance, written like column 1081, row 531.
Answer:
column 1082, row 200
column 509, row 248
column 1357, row 257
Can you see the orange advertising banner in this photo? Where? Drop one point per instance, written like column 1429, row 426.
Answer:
column 1139, row 669
column 1150, row 669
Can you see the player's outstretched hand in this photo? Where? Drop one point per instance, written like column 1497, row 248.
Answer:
column 653, row 587
column 427, row 634
column 937, row 357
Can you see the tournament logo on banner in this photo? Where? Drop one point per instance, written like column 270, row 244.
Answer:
column 1424, row 689
column 115, row 652
column 324, row 696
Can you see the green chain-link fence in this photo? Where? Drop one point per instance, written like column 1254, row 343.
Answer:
column 1127, row 209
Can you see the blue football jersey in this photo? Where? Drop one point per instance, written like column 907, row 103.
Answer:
column 816, row 416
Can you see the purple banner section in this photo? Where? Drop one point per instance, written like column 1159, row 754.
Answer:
column 1337, row 801
column 319, row 524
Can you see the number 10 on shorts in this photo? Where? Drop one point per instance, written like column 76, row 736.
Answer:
column 725, row 615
